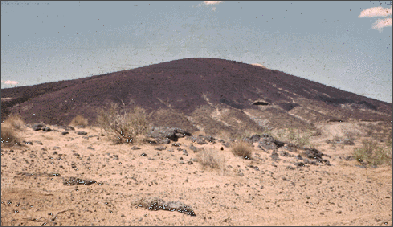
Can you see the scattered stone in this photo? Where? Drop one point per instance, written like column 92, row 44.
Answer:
column 38, row 126
column 175, row 145
column 201, row 141
column 274, row 156
column 65, row 133
column 135, row 148
column 155, row 203
column 160, row 148
column 77, row 181
column 82, row 133
column 193, row 148
column 143, row 154
column 47, row 129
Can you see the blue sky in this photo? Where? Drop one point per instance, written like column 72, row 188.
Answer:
column 347, row 45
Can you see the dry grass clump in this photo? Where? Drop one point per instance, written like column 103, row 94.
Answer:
column 210, row 158
column 373, row 154
column 8, row 137
column 123, row 125
column 242, row 149
column 15, row 122
column 79, row 120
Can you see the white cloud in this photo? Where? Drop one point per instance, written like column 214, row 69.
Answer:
column 380, row 24
column 257, row 64
column 9, row 82
column 376, row 12
column 212, row 2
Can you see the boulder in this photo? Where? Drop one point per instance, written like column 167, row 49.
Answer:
column 163, row 134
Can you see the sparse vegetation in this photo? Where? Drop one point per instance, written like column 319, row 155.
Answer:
column 15, row 122
column 8, row 137
column 210, row 158
column 298, row 137
column 121, row 124
column 242, row 149
column 79, row 120
column 373, row 154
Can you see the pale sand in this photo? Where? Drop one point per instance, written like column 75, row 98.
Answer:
column 341, row 194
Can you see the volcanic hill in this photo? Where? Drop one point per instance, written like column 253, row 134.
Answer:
column 196, row 93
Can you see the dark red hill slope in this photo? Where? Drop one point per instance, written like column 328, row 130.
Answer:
column 186, row 84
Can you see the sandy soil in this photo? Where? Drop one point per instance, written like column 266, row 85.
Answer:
column 245, row 192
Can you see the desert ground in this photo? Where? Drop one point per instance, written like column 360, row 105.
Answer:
column 55, row 179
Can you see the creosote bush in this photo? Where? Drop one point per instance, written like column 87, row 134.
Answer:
column 123, row 125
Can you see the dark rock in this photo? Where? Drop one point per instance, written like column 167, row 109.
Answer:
column 267, row 142
column 278, row 143
column 38, row 126
column 313, row 153
column 143, row 154
column 284, row 153
column 47, row 129
column 77, row 181
column 160, row 148
column 255, row 138
column 163, row 141
column 349, row 157
column 82, row 133
column 348, row 142
column 175, row 145
column 179, row 135
column 28, row 142
column 299, row 157
column 65, row 133
column 201, row 141
column 274, row 156
column 135, row 148
column 193, row 148
column 168, row 133
column 190, row 162
column 299, row 164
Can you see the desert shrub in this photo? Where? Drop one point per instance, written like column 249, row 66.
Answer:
column 297, row 137
column 210, row 158
column 371, row 153
column 9, row 137
column 242, row 149
column 79, row 120
column 15, row 122
column 122, row 124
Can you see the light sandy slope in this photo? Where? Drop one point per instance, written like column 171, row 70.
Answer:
column 341, row 194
